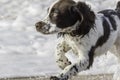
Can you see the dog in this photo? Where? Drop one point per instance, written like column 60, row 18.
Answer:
column 86, row 33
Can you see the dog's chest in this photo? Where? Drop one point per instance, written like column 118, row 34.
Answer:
column 76, row 44
column 73, row 42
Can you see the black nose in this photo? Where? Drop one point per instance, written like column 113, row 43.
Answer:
column 38, row 24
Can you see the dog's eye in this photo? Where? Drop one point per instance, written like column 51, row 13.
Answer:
column 56, row 11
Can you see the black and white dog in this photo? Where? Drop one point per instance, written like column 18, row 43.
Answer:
column 86, row 33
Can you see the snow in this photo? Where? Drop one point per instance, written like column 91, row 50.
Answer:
column 25, row 52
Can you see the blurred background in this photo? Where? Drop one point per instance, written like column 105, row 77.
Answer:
column 25, row 52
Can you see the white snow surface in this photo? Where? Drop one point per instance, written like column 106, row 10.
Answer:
column 25, row 52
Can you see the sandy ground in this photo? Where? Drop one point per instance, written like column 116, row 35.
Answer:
column 80, row 77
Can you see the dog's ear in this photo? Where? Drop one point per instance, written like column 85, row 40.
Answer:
column 74, row 11
column 86, row 17
column 86, row 12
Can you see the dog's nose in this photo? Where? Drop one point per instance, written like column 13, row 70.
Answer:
column 39, row 24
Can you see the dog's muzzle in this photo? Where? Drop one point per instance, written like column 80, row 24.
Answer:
column 45, row 28
column 42, row 27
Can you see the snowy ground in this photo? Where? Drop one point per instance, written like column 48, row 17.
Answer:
column 24, row 52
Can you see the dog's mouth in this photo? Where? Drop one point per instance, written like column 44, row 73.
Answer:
column 46, row 28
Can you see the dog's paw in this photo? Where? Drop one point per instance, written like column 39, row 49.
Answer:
column 54, row 78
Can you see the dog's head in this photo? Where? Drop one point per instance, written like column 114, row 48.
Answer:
column 63, row 15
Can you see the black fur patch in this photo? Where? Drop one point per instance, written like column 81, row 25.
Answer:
column 61, row 34
column 74, row 67
column 60, row 60
column 108, row 14
column 118, row 7
column 91, row 56
column 100, row 41
column 105, row 36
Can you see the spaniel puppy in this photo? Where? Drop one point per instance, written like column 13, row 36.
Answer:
column 86, row 33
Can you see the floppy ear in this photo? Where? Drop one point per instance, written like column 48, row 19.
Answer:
column 74, row 11
column 86, row 11
column 86, row 17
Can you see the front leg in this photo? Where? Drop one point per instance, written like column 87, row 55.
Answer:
column 82, row 64
column 74, row 69
column 61, row 60
column 86, row 57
